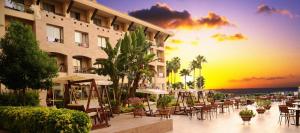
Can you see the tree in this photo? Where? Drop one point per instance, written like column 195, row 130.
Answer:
column 200, row 82
column 22, row 64
column 191, row 84
column 193, row 67
column 176, row 67
column 200, row 59
column 113, row 66
column 184, row 72
column 139, row 59
column 170, row 68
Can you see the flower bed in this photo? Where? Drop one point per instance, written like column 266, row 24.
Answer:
column 43, row 120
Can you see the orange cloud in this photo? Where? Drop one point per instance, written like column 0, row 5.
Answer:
column 224, row 37
column 164, row 16
column 271, row 10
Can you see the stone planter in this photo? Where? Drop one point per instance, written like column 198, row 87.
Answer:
column 116, row 109
column 246, row 118
column 260, row 110
column 138, row 112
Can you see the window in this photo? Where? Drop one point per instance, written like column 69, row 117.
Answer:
column 101, row 42
column 81, row 39
column 116, row 27
column 54, row 34
column 49, row 7
column 75, row 15
column 97, row 21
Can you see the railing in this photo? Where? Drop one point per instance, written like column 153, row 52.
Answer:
column 18, row 7
column 78, row 69
column 85, row 45
column 55, row 40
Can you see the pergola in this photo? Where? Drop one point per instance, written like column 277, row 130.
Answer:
column 93, row 82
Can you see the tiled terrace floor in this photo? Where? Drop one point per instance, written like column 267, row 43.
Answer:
column 232, row 123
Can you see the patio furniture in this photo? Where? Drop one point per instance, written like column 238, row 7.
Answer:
column 297, row 110
column 289, row 103
column 284, row 112
column 297, row 104
column 199, row 112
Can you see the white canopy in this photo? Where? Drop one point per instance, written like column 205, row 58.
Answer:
column 152, row 91
column 100, row 80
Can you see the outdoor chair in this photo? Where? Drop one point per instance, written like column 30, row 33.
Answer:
column 227, row 105
column 289, row 103
column 207, row 110
column 214, row 109
column 284, row 112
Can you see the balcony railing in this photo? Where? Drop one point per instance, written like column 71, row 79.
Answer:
column 55, row 40
column 78, row 69
column 18, row 7
column 85, row 45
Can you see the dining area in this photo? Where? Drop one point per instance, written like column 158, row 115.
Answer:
column 290, row 111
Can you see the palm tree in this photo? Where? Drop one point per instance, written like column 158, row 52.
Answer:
column 170, row 67
column 184, row 72
column 139, row 57
column 193, row 67
column 176, row 63
column 200, row 59
column 111, row 66
column 200, row 82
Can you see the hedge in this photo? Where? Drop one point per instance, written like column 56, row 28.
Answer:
column 43, row 120
column 11, row 99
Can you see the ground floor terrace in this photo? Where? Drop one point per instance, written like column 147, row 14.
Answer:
column 228, row 122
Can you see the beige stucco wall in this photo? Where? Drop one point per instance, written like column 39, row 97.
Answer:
column 41, row 18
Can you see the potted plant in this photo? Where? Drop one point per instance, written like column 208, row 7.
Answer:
column 260, row 105
column 267, row 104
column 138, row 106
column 116, row 109
column 246, row 114
column 163, row 104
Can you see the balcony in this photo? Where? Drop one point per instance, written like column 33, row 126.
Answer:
column 19, row 6
column 81, row 64
column 61, row 61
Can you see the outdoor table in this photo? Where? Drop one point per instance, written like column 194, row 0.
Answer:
column 297, row 114
column 201, row 112
column 221, row 104
column 297, row 100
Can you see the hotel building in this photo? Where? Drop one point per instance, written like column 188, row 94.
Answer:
column 73, row 31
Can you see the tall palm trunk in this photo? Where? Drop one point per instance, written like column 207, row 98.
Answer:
column 185, row 82
column 200, row 83
column 194, row 78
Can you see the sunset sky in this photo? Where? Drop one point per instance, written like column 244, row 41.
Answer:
column 247, row 43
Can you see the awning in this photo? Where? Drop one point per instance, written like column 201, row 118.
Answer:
column 152, row 91
column 100, row 80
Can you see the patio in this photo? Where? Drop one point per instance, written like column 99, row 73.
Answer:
column 232, row 123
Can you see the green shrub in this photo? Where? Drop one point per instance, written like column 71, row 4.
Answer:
column 31, row 98
column 219, row 96
column 246, row 112
column 127, row 109
column 43, row 120
column 164, row 101
column 152, row 98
